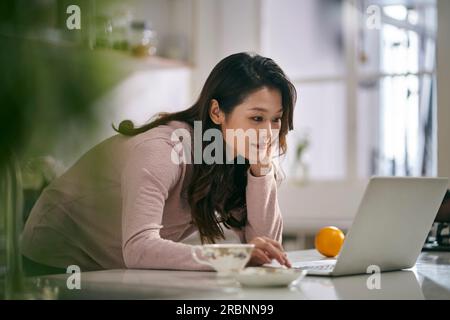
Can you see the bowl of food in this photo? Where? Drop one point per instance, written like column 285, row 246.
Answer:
column 269, row 276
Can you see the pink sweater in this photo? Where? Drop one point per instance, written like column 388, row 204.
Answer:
column 123, row 205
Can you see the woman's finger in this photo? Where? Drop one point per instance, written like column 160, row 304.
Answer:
column 270, row 251
column 268, row 155
column 275, row 243
column 274, row 253
column 260, row 257
column 288, row 263
column 278, row 245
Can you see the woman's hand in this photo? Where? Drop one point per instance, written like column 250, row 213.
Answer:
column 264, row 162
column 267, row 249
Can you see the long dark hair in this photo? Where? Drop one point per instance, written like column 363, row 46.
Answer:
column 220, row 188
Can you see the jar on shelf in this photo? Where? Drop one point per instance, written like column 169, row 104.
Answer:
column 143, row 40
column 121, row 19
column 103, row 32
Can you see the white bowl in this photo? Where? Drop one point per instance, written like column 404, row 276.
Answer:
column 268, row 277
column 224, row 258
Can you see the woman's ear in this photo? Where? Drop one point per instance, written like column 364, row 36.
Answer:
column 215, row 113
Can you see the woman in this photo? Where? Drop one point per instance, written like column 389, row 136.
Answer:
column 127, row 204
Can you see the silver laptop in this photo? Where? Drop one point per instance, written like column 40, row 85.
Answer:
column 393, row 220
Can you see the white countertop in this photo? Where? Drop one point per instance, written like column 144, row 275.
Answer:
column 429, row 279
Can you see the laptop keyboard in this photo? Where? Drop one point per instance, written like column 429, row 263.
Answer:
column 316, row 266
column 325, row 267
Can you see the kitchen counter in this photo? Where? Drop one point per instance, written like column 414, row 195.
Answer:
column 429, row 279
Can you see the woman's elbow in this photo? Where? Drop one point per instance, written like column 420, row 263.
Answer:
column 132, row 253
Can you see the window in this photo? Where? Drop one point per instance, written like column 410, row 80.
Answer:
column 365, row 96
column 406, row 106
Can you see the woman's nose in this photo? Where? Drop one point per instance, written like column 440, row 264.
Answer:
column 265, row 134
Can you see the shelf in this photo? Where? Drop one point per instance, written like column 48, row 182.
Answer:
column 53, row 40
column 125, row 60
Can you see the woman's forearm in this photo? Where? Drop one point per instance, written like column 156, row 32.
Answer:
column 263, row 212
column 149, row 251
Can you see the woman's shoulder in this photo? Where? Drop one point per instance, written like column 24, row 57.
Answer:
column 156, row 151
column 161, row 142
column 166, row 132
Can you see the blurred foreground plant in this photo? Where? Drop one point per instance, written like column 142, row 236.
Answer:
column 46, row 95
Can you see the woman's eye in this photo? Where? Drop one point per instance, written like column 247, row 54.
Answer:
column 277, row 120
column 257, row 119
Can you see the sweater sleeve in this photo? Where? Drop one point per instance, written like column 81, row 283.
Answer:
column 147, row 180
column 263, row 213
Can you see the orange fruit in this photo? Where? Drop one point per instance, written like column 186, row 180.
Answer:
column 329, row 241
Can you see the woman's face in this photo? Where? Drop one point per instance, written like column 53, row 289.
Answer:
column 254, row 124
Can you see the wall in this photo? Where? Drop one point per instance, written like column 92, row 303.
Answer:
column 305, row 39
column 220, row 28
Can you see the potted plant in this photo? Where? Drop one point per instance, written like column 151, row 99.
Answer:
column 300, row 170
